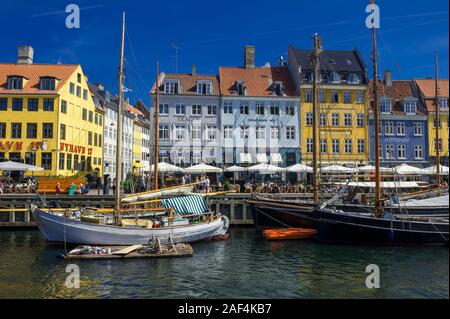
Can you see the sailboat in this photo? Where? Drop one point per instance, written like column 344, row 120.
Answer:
column 381, row 226
column 184, row 217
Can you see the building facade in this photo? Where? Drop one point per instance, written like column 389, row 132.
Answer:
column 426, row 92
column 403, row 125
column 343, row 131
column 188, row 130
column 259, row 114
column 48, row 118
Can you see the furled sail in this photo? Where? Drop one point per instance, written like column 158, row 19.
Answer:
column 179, row 190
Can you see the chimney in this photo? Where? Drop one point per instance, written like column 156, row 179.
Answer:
column 25, row 54
column 194, row 69
column 249, row 56
column 388, row 78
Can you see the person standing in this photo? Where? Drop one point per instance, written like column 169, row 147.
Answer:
column 58, row 188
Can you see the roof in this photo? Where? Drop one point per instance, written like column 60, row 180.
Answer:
column 339, row 61
column 427, row 87
column 398, row 91
column 132, row 109
column 33, row 72
column 258, row 81
column 188, row 82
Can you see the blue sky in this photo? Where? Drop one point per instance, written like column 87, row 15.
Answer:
column 213, row 33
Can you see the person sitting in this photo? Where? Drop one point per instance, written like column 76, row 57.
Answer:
column 58, row 188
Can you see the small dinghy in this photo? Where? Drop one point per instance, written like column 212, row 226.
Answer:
column 151, row 250
column 289, row 233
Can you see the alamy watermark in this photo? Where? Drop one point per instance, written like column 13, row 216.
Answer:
column 373, row 19
column 373, row 279
column 73, row 19
column 73, row 279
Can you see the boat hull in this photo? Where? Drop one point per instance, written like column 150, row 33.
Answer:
column 353, row 228
column 57, row 228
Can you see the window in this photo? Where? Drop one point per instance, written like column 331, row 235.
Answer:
column 335, row 119
column 417, row 129
column 360, row 120
column 78, row 91
column 69, row 162
column 440, row 145
column 99, row 140
column 323, row 119
column 15, row 157
column 274, row 133
column 180, row 131
column 439, row 124
column 47, row 83
column 348, row 119
column 62, row 161
column 163, row 132
column 290, row 110
column 260, row 109
column 3, row 104
column 443, row 103
column 322, row 96
column 348, row 146
column 361, row 146
column 91, row 115
column 401, row 129
column 389, row 151
column 309, row 145
column 389, row 128
column 410, row 106
column 72, row 88
column 385, row 105
column 63, row 106
column 100, row 120
column 79, row 77
column 46, row 161
column 15, row 83
column 278, row 88
column 227, row 132
column 401, row 151
column 2, row 130
column 347, row 97
column 290, row 132
column 211, row 132
column 180, row 109
column 89, row 138
column 48, row 105
column 244, row 130
column 228, row 107
column 30, row 158
column 96, row 119
column 335, row 77
column 353, row 78
column 308, row 96
column 171, row 87
column 33, row 104
column 260, row 132
column 85, row 94
column 244, row 108
column 2, row 156
column 84, row 114
column 47, row 130
column 359, row 97
column 240, row 88
column 196, row 109
column 16, row 130
column 163, row 109
column 418, row 152
column 204, row 87
column 323, row 145
column 31, row 130
column 212, row 109
column 335, row 96
column 95, row 139
column 274, row 109
column 17, row 104
column 196, row 132
column 309, row 119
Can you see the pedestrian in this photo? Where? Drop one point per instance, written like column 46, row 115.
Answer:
column 81, row 189
column 114, row 185
column 1, row 187
column 183, row 180
column 58, row 188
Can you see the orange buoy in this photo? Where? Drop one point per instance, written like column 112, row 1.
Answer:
column 289, row 233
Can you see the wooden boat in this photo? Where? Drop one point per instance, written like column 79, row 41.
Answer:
column 289, row 233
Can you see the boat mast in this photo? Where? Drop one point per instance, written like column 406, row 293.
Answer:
column 436, row 102
column 376, row 118
column 316, row 65
column 119, row 129
column 155, row 173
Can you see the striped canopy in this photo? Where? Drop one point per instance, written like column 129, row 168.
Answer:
column 186, row 205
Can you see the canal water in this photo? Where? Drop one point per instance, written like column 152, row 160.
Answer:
column 245, row 266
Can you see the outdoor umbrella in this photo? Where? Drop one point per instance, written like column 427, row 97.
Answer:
column 166, row 168
column 16, row 166
column 337, row 169
column 265, row 169
column 299, row 168
column 371, row 169
column 235, row 168
column 203, row 168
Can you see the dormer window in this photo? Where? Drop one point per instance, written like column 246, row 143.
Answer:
column 323, row 77
column 47, row 83
column 240, row 88
column 410, row 106
column 171, row 87
column 353, row 78
column 443, row 103
column 15, row 83
column 204, row 87
column 278, row 88
column 385, row 105
column 335, row 77
column 308, row 76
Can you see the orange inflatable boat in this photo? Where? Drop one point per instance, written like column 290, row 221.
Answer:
column 289, row 233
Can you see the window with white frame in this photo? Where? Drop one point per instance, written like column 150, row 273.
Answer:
column 180, row 109
column 390, row 151
column 260, row 132
column 244, row 132
column 290, row 109
column 275, row 109
column 335, row 146
column 348, row 146
column 347, row 97
column 163, row 109
column 335, row 96
column 323, row 145
column 359, row 97
column 228, row 107
column 228, row 132
column 401, row 151
column 309, row 145
column 353, row 78
column 361, row 146
column 440, row 144
column 443, row 103
column 410, row 106
column 434, row 122
column 244, row 108
column 211, row 131
column 322, row 96
column 323, row 119
column 204, row 87
column 212, row 110
column 417, row 129
column 308, row 96
column 259, row 106
column 180, row 132
column 389, row 128
column 274, row 133
column 385, row 105
column 309, row 119
column 401, row 129
column 196, row 109
column 335, row 77
column 163, row 132
column 348, row 119
column 171, row 87
column 418, row 152
column 196, row 132
column 360, row 119
column 335, row 119
column 290, row 132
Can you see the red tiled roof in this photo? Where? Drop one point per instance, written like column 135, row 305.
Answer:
column 427, row 87
column 132, row 109
column 33, row 72
column 188, row 82
column 257, row 81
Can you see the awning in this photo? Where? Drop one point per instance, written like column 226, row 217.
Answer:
column 16, row 166
column 276, row 158
column 261, row 158
column 245, row 158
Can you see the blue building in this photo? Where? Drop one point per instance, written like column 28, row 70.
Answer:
column 403, row 124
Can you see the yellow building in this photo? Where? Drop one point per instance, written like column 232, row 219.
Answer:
column 48, row 117
column 343, row 116
column 138, row 126
column 426, row 90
